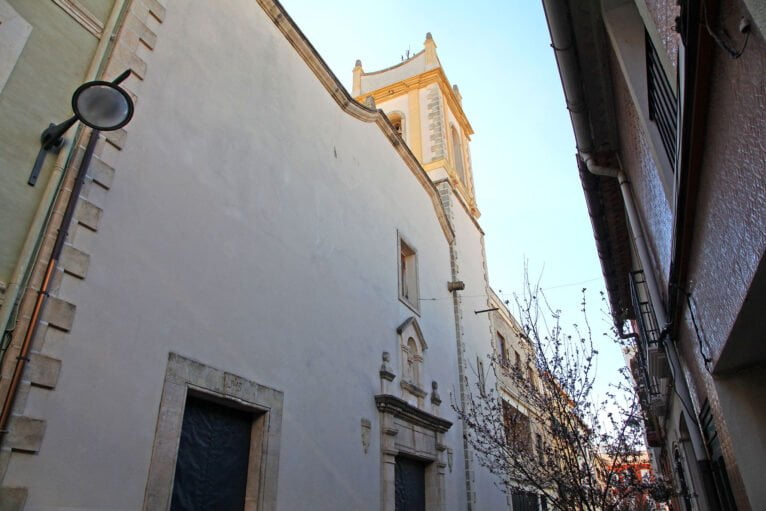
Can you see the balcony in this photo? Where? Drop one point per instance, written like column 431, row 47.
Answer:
column 651, row 359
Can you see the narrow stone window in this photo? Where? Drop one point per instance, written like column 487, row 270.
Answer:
column 408, row 275
column 413, row 362
column 397, row 120
column 502, row 351
column 539, row 447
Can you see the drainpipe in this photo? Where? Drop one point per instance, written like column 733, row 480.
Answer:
column 635, row 228
column 654, row 291
column 42, row 294
column 563, row 43
column 29, row 251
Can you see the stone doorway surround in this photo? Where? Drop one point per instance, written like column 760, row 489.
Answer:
column 409, row 431
column 184, row 377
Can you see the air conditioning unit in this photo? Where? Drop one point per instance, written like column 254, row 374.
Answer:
column 658, row 404
column 657, row 361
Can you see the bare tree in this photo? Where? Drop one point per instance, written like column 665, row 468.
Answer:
column 543, row 432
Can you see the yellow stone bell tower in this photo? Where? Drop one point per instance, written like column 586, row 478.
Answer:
column 427, row 112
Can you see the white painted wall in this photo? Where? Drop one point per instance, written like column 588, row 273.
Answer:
column 411, row 67
column 251, row 226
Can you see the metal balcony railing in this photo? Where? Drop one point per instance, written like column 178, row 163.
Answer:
column 663, row 105
column 648, row 329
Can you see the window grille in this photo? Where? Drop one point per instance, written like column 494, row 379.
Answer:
column 663, row 105
column 717, row 464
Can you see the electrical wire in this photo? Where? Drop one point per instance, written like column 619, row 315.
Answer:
column 706, row 359
column 500, row 293
column 734, row 54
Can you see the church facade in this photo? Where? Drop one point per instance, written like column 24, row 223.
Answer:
column 260, row 302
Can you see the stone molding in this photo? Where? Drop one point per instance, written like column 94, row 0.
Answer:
column 185, row 376
column 82, row 16
column 399, row 408
column 409, row 431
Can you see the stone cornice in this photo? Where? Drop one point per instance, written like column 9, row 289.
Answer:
column 420, row 81
column 400, row 408
column 327, row 78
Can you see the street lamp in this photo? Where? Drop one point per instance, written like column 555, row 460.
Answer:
column 103, row 106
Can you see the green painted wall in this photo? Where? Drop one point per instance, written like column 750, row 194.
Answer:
column 99, row 8
column 53, row 63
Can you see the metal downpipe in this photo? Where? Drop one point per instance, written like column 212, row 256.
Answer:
column 42, row 294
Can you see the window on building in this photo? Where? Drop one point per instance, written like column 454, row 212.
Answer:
column 397, row 120
column 457, row 154
column 717, row 464
column 502, row 351
column 517, row 427
column 413, row 362
column 524, row 501
column 482, row 376
column 539, row 447
column 518, row 360
column 408, row 275
column 663, row 105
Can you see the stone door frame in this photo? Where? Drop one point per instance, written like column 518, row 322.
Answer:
column 186, row 377
column 412, row 432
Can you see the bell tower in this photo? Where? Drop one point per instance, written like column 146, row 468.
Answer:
column 427, row 112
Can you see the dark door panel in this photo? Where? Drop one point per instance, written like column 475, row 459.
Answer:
column 410, row 485
column 211, row 469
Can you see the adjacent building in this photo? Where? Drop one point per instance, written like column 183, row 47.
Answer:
column 264, row 273
column 667, row 102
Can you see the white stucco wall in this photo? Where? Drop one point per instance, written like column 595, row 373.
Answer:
column 411, row 67
column 251, row 226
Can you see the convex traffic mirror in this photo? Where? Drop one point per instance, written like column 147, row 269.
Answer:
column 103, row 106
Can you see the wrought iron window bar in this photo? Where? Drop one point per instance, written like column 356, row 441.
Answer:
column 663, row 105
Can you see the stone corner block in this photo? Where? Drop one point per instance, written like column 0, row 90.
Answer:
column 156, row 9
column 43, row 371
column 59, row 313
column 75, row 262
column 88, row 214
column 12, row 499
column 101, row 173
column 117, row 138
column 25, row 434
column 186, row 371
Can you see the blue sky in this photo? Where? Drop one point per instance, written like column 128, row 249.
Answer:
column 523, row 151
